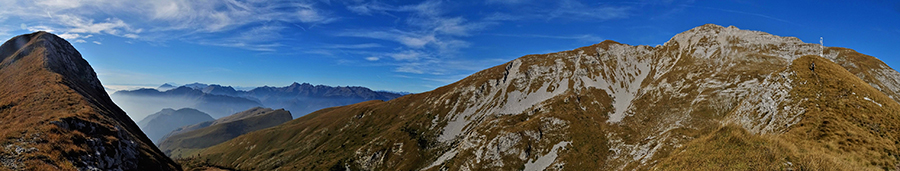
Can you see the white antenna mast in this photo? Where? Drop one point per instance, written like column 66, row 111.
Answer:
column 822, row 45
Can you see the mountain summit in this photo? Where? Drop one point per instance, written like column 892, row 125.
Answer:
column 711, row 97
column 55, row 114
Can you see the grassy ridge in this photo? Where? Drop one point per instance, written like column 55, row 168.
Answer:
column 52, row 120
column 188, row 143
column 678, row 128
column 840, row 130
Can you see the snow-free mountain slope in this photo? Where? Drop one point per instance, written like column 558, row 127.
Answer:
column 185, row 141
column 252, row 112
column 165, row 121
column 845, row 125
column 55, row 114
column 612, row 106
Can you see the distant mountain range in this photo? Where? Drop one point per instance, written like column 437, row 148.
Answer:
column 165, row 121
column 147, row 101
column 220, row 101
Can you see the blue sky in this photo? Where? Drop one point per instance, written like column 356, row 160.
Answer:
column 412, row 46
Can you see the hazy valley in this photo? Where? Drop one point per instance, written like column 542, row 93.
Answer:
column 219, row 101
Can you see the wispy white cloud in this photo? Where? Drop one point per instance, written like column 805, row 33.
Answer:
column 67, row 18
column 372, row 58
column 498, row 16
column 214, row 16
column 746, row 13
column 322, row 52
column 133, row 36
column 311, row 15
column 561, row 10
column 72, row 36
column 408, row 55
column 370, row 8
column 353, row 46
column 506, row 1
column 164, row 20
column 78, row 24
column 576, row 10
column 80, row 41
column 409, row 39
column 583, row 37
column 259, row 38
column 429, row 38
column 4, row 32
column 37, row 28
column 96, row 42
column 367, row 50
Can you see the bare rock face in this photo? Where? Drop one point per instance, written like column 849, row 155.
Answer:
column 711, row 97
column 56, row 115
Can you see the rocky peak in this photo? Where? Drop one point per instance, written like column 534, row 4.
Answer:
column 219, row 89
column 62, row 58
column 183, row 90
column 715, row 36
column 54, row 106
column 196, row 85
column 168, row 110
column 59, row 56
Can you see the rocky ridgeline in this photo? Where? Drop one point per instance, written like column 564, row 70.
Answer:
column 609, row 106
column 56, row 115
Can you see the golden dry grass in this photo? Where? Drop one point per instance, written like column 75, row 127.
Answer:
column 195, row 164
column 857, row 135
column 839, row 131
column 189, row 143
column 35, row 100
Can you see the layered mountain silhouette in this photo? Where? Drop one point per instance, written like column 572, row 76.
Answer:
column 55, row 114
column 185, row 141
column 305, row 98
column 165, row 87
column 148, row 101
column 196, row 85
column 711, row 97
column 157, row 125
column 220, row 101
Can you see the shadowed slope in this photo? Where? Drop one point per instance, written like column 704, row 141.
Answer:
column 157, row 125
column 185, row 141
column 56, row 115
